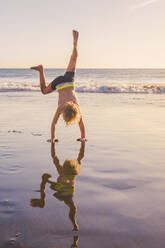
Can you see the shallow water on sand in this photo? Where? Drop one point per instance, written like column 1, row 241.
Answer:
column 119, row 194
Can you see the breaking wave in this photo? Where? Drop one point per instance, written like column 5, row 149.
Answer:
column 16, row 87
column 91, row 88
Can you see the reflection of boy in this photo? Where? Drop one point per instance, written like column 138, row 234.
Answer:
column 65, row 185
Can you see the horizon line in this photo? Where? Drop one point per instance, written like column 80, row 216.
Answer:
column 86, row 68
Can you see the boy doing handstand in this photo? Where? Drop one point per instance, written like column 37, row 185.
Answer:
column 68, row 103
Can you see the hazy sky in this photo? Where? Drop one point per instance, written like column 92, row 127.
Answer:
column 113, row 33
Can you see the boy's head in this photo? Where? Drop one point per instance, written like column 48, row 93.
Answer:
column 71, row 113
column 71, row 168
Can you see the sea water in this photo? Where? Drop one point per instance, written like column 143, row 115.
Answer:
column 148, row 81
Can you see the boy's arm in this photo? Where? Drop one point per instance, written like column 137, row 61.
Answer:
column 53, row 126
column 82, row 130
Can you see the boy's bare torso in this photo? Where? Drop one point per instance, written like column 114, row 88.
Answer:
column 67, row 95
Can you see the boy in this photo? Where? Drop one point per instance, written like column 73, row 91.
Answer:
column 67, row 104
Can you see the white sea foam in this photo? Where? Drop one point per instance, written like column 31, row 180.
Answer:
column 128, row 88
column 15, row 87
column 92, row 88
column 146, row 81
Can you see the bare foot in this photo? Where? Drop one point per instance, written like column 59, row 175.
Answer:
column 37, row 68
column 75, row 37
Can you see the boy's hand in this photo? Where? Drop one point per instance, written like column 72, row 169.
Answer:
column 82, row 139
column 52, row 141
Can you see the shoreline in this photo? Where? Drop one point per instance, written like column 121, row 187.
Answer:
column 119, row 194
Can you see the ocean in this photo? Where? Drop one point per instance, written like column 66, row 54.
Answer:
column 147, row 81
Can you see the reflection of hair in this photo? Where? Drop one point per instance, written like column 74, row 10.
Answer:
column 71, row 168
column 71, row 113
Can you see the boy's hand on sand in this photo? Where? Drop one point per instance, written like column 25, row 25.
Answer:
column 52, row 141
column 82, row 139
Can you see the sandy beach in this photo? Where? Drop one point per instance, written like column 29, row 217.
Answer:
column 119, row 194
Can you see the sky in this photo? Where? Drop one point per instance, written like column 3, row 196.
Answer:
column 113, row 33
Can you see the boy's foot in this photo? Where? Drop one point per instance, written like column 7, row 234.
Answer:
column 37, row 68
column 75, row 37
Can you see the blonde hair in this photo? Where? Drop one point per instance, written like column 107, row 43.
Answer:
column 71, row 113
column 71, row 168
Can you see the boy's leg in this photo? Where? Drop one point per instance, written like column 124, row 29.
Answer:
column 72, row 63
column 44, row 89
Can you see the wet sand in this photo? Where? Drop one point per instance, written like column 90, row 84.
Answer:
column 119, row 194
